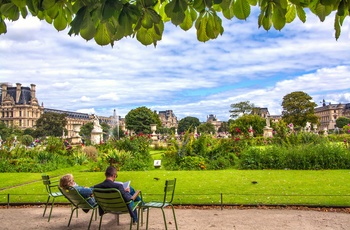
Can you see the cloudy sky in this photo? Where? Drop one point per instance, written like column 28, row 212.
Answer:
column 180, row 74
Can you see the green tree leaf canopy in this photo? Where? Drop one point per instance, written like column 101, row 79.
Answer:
column 342, row 121
column 140, row 119
column 298, row 108
column 188, row 123
column 107, row 21
column 51, row 124
column 241, row 108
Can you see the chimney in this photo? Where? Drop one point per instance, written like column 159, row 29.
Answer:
column 18, row 91
column 32, row 90
column 3, row 92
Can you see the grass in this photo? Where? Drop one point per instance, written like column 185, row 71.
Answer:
column 274, row 187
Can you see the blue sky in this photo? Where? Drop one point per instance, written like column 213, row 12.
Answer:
column 180, row 74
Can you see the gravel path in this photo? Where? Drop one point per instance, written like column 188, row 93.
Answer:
column 188, row 219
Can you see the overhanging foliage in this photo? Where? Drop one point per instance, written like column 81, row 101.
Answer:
column 107, row 21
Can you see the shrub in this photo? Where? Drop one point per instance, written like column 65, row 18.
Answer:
column 310, row 156
column 91, row 152
column 192, row 163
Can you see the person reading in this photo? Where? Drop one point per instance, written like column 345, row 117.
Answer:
column 129, row 194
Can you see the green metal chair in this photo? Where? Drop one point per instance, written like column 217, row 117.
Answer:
column 52, row 190
column 110, row 200
column 169, row 191
column 78, row 201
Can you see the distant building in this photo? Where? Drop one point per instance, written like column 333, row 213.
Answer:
column 168, row 119
column 262, row 112
column 19, row 106
column 328, row 114
column 73, row 118
column 211, row 118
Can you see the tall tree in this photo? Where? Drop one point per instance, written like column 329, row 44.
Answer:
column 241, row 108
column 140, row 119
column 85, row 130
column 224, row 127
column 206, row 128
column 342, row 121
column 243, row 123
column 298, row 108
column 105, row 129
column 51, row 124
column 110, row 21
column 188, row 123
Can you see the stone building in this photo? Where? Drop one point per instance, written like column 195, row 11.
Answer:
column 328, row 114
column 168, row 119
column 19, row 106
column 73, row 119
column 211, row 118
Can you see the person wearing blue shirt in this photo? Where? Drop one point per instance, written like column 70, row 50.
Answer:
column 67, row 181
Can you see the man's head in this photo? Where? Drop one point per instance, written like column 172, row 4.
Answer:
column 111, row 173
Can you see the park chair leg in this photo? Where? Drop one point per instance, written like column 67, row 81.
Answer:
column 48, row 199
column 53, row 203
column 92, row 215
column 99, row 226
column 147, row 218
column 174, row 216
column 71, row 215
column 166, row 226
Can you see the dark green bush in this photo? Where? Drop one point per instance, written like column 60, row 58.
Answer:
column 307, row 156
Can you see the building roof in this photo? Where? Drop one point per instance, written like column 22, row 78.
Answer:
column 69, row 114
column 25, row 96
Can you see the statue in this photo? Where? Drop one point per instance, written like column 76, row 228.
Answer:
column 325, row 132
column 97, row 126
column 250, row 131
column 96, row 133
column 267, row 121
column 308, row 127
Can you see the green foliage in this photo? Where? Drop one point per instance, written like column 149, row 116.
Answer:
column 243, row 123
column 51, row 124
column 207, row 128
column 117, row 133
column 80, row 158
column 85, row 130
column 298, row 108
column 7, row 132
column 199, row 153
column 224, row 127
column 55, row 145
column 306, row 156
column 130, row 153
column 108, row 21
column 105, row 129
column 192, row 163
column 241, row 108
column 26, row 140
column 140, row 119
column 341, row 122
column 188, row 123
column 346, row 128
column 91, row 152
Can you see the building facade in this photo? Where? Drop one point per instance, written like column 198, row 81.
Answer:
column 211, row 118
column 19, row 106
column 328, row 114
column 168, row 119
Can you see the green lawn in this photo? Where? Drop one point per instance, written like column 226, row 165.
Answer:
column 277, row 187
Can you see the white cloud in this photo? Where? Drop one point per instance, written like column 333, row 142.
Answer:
column 184, row 75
